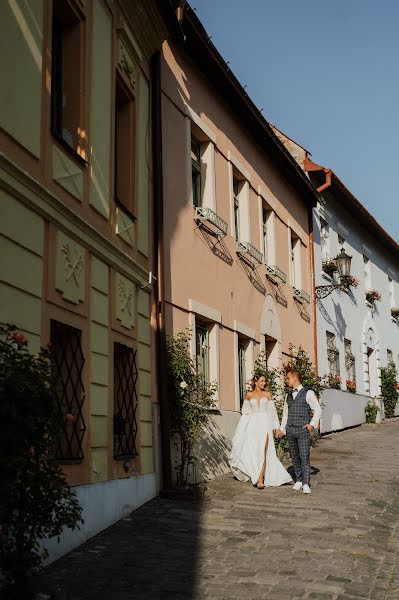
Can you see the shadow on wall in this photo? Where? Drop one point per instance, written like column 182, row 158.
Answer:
column 213, row 450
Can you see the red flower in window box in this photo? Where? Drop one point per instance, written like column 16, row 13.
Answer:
column 19, row 338
column 351, row 386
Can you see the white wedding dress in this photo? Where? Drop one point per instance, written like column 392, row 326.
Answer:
column 259, row 418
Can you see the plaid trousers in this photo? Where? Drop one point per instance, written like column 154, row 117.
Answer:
column 299, row 444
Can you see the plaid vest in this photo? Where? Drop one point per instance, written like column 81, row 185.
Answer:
column 298, row 409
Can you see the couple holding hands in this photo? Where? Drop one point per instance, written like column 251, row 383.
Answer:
column 253, row 455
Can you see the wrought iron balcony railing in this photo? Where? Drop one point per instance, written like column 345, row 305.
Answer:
column 206, row 216
column 276, row 274
column 248, row 251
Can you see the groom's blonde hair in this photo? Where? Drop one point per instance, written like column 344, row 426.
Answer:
column 297, row 373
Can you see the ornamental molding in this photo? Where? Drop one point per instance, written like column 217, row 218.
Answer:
column 70, row 269
column 124, row 291
column 129, row 55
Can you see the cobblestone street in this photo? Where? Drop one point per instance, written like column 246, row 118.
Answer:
column 237, row 542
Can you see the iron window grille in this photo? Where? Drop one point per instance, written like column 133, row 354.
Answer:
column 350, row 361
column 66, row 342
column 332, row 354
column 125, row 401
column 196, row 171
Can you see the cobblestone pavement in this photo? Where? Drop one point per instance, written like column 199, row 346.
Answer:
column 340, row 542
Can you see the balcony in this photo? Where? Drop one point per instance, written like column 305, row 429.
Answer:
column 275, row 274
column 211, row 221
column 249, row 253
column 301, row 296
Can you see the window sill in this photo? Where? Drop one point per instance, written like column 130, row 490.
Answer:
column 395, row 320
column 67, row 148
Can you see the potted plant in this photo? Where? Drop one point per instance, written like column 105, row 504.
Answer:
column 372, row 296
column 349, row 281
column 395, row 312
column 329, row 266
column 351, row 386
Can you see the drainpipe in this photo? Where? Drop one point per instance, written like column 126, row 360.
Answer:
column 309, row 165
column 158, row 258
column 313, row 276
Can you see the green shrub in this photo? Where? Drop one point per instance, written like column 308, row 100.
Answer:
column 35, row 500
column 190, row 398
column 371, row 411
column 389, row 390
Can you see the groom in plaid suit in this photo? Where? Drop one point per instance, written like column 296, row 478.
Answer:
column 298, row 424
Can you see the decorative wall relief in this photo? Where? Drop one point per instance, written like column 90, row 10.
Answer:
column 70, row 269
column 129, row 55
column 125, row 305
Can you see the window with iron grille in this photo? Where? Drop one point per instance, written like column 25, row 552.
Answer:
column 390, row 360
column 332, row 354
column 236, row 194
column 202, row 349
column 241, row 371
column 196, row 171
column 125, row 401
column 66, row 342
column 350, row 364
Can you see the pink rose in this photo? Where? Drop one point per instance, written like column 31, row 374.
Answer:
column 20, row 338
column 70, row 418
column 32, row 451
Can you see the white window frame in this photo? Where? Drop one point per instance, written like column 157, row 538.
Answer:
column 237, row 171
column 295, row 259
column 195, row 128
column 367, row 272
column 213, row 319
column 350, row 361
column 324, row 238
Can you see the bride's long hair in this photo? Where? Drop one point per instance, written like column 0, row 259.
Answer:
column 255, row 378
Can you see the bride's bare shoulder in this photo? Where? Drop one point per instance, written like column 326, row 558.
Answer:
column 248, row 395
column 268, row 395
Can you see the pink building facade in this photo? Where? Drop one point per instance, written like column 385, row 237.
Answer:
column 237, row 249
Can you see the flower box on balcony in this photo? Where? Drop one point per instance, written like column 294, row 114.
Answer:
column 206, row 216
column 329, row 266
column 372, row 296
column 351, row 386
column 249, row 252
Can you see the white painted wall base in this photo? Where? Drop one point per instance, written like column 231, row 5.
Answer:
column 342, row 409
column 103, row 504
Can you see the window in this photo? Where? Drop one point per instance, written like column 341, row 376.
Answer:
column 66, row 343
column 349, row 361
column 66, row 86
column 367, row 272
column 391, row 289
column 125, row 401
column 236, row 199
column 324, row 238
column 332, row 355
column 124, row 147
column 266, row 215
column 295, row 260
column 242, row 369
column 390, row 360
column 202, row 349
column 196, row 171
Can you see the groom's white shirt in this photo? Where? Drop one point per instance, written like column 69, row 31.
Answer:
column 313, row 403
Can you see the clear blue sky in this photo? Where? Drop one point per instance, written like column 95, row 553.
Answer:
column 326, row 72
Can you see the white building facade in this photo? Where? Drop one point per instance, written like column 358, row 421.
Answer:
column 356, row 336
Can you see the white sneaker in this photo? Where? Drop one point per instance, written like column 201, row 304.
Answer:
column 306, row 489
column 297, row 486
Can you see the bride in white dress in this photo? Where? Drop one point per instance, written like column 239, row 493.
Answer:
column 253, row 455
